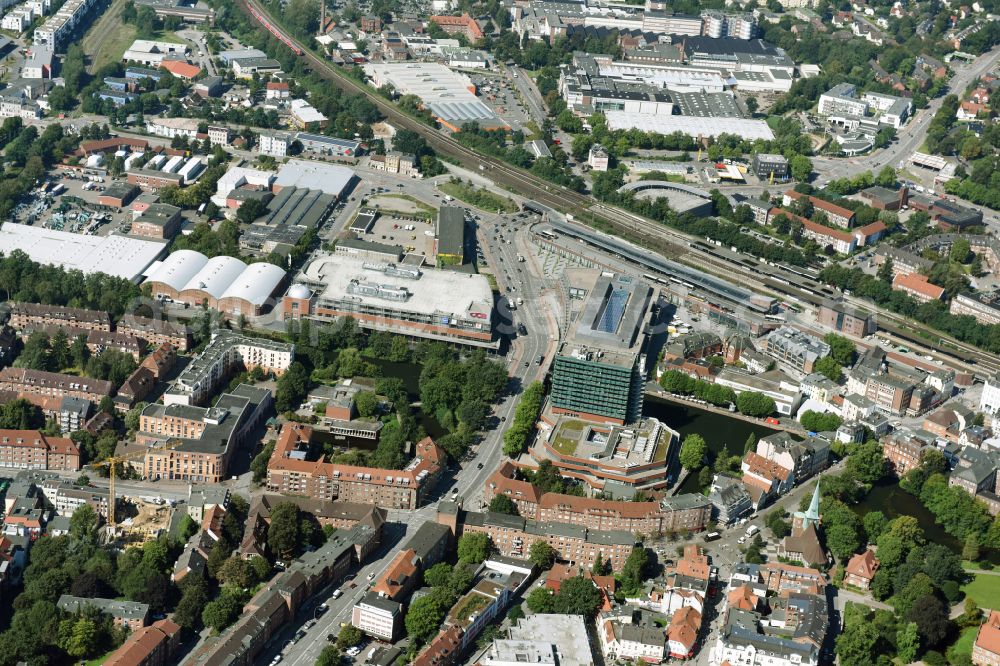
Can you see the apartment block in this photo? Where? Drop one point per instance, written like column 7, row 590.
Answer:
column 53, row 384
column 795, row 350
column 30, row 449
column 27, row 317
column 198, row 382
column 291, row 471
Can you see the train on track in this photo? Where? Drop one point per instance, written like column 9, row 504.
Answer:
column 287, row 41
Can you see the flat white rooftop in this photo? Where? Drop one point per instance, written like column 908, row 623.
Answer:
column 120, row 256
column 436, row 292
column 450, row 95
column 327, row 178
column 690, row 125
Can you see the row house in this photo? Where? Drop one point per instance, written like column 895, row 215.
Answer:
column 53, row 384
column 27, row 317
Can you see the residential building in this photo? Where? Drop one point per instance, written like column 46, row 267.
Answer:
column 795, row 350
column 28, row 317
column 984, row 307
column 918, row 286
column 773, row 383
column 274, row 143
column 200, row 379
column 53, row 384
column 130, row 615
column 599, row 370
column 154, row 645
column 597, row 158
column 678, row 513
column 202, row 439
column 890, row 394
column 730, row 499
column 838, row 215
column 986, row 649
column 623, row 638
column 156, row 332
column 861, row 569
column 512, row 536
column 30, row 449
column 841, row 101
column 290, row 471
column 682, row 633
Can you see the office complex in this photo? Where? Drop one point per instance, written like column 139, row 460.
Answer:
column 600, row 369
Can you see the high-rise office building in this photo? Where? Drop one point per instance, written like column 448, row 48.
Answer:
column 599, row 370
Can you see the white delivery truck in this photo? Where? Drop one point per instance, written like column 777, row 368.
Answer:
column 752, row 530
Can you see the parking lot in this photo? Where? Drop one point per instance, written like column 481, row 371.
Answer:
column 391, row 228
column 497, row 93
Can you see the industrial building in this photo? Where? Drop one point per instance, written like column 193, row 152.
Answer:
column 120, row 256
column 416, row 301
column 690, row 125
column 224, row 283
column 770, row 167
column 330, row 179
column 599, row 370
column 449, row 96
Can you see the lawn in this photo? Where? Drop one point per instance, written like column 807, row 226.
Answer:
column 567, row 437
column 480, row 198
column 984, row 589
column 963, row 646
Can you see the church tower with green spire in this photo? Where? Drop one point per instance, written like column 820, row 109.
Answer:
column 811, row 516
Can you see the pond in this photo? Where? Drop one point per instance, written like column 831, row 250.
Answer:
column 893, row 501
column 721, row 432
column 409, row 373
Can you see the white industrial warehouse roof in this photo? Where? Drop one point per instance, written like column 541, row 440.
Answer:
column 177, row 270
column 256, row 283
column 120, row 256
column 222, row 277
column 328, row 178
column 690, row 125
column 448, row 293
column 449, row 95
column 216, row 275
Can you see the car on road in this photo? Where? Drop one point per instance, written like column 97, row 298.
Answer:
column 479, row 466
column 337, row 594
column 276, row 660
column 527, row 363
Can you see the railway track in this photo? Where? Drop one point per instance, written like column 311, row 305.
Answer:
column 672, row 243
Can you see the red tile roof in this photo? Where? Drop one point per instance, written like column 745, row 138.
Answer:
column 917, row 283
column 182, row 69
column 863, row 566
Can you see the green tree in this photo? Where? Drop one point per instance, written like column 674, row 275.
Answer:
column 752, row 403
column 693, row 452
column 874, row 523
column 907, row 643
column 349, row 636
column 474, row 547
column 541, row 600
column 425, row 616
column 829, row 368
column 886, row 177
column 250, row 210
column 542, row 555
column 366, row 403
column 503, row 504
column 867, row 462
column 842, row 350
column 750, row 444
column 438, row 575
column 283, row 532
column 85, row 637
column 801, row 167
column 83, row 525
column 291, row 387
column 633, row 571
column 960, row 251
column 856, row 645
column 931, row 617
column 885, row 271
column 971, row 548
column 222, row 612
column 578, row 596
column 329, row 656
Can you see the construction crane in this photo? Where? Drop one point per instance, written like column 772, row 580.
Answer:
column 112, row 463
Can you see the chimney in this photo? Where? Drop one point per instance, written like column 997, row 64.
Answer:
column 904, row 194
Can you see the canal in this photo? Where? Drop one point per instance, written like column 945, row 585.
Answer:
column 721, row 432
